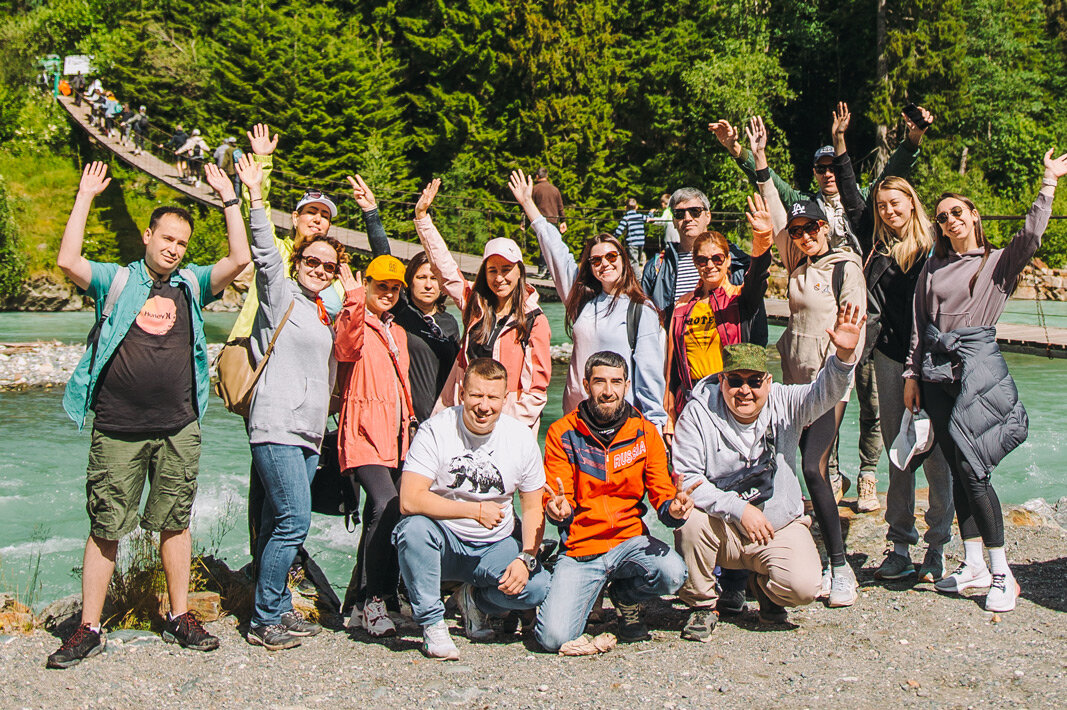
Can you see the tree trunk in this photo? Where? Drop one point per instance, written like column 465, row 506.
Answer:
column 881, row 156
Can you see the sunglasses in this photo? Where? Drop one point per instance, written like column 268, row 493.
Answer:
column 822, row 169
column 701, row 261
column 313, row 194
column 957, row 212
column 314, row 262
column 753, row 381
column 811, row 229
column 693, row 212
column 611, row 257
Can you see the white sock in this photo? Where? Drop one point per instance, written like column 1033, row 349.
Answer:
column 973, row 554
column 901, row 548
column 998, row 561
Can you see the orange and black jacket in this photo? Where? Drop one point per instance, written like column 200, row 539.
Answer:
column 605, row 486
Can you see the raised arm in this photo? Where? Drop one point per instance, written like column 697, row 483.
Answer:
column 754, row 286
column 857, row 209
column 1026, row 241
column 903, row 159
column 561, row 263
column 441, row 261
column 728, row 136
column 70, row 259
column 348, row 328
column 376, row 235
column 757, row 136
column 237, row 258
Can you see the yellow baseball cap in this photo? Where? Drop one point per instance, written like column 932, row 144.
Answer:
column 386, row 268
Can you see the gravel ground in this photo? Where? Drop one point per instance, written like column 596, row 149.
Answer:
column 898, row 646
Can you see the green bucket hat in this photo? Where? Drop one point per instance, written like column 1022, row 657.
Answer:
column 744, row 356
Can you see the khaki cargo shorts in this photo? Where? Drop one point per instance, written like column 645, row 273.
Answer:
column 114, row 482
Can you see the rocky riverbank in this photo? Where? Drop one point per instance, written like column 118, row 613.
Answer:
column 899, row 646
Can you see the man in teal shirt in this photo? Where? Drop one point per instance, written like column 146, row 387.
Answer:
column 145, row 376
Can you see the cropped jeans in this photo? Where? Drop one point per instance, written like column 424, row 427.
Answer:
column 286, row 473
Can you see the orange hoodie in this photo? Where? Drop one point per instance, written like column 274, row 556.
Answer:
column 605, row 485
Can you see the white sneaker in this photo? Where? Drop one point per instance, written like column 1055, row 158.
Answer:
column 827, row 582
column 844, row 589
column 375, row 619
column 475, row 621
column 1003, row 592
column 437, row 642
column 964, row 578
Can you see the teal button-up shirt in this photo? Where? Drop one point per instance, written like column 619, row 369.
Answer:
column 81, row 388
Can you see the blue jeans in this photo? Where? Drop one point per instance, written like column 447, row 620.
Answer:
column 431, row 553
column 286, row 473
column 639, row 568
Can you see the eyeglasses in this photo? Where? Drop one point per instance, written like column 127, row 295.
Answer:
column 753, row 381
column 957, row 212
column 693, row 212
column 701, row 261
column 810, row 228
column 822, row 169
column 611, row 257
column 314, row 262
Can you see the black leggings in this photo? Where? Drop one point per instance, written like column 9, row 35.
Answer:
column 977, row 506
column 815, row 445
column 377, row 571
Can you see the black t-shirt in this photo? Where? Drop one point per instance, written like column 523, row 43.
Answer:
column 147, row 385
column 433, row 344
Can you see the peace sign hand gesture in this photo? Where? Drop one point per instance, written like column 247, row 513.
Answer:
column 557, row 507
column 682, row 504
column 362, row 194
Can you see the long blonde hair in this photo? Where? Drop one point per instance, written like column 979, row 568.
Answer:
column 915, row 239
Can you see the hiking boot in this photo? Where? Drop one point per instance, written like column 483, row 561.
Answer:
column 631, row 626
column 295, row 623
column 840, row 485
column 700, row 625
column 187, row 631
column 867, row 497
column 895, row 566
column 933, row 566
column 273, row 638
column 475, row 621
column 375, row 619
column 83, row 643
column 437, row 642
column 1003, row 593
column 843, row 586
column 731, row 602
column 964, row 578
column 770, row 613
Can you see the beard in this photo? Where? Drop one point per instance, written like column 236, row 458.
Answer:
column 607, row 411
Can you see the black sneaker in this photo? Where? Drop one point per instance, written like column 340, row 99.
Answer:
column 187, row 631
column 631, row 627
column 769, row 613
column 701, row 624
column 83, row 643
column 295, row 623
column 273, row 638
column 731, row 602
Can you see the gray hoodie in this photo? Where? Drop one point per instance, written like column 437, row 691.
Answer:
column 708, row 445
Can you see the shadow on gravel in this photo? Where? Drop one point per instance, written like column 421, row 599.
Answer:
column 1042, row 582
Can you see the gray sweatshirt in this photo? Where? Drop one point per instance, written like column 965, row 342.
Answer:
column 292, row 398
column 709, row 445
column 942, row 293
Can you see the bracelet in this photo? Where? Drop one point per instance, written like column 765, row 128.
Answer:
column 763, row 175
column 231, row 203
column 1050, row 182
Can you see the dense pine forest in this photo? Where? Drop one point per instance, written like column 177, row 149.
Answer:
column 613, row 97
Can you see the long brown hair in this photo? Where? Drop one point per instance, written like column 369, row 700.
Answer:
column 943, row 246
column 587, row 286
column 482, row 303
column 915, row 239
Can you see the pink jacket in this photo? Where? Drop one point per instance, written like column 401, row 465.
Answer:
column 371, row 433
column 529, row 364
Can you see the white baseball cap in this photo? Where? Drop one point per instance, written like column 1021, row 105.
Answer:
column 502, row 246
column 916, row 437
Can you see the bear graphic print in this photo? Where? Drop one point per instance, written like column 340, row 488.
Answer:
column 476, row 469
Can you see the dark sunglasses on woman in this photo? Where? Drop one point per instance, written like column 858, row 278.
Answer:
column 811, row 228
column 717, row 259
column 314, row 262
column 611, row 257
column 957, row 212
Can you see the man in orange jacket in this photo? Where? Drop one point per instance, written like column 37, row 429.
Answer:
column 600, row 460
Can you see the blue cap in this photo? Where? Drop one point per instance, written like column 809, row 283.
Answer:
column 827, row 151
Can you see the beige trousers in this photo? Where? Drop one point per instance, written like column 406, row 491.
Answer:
column 787, row 569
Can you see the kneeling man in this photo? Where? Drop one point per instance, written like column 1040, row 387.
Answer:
column 601, row 459
column 460, row 475
column 740, row 433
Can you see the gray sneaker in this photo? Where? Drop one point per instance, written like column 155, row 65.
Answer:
column 273, row 638
column 475, row 621
column 701, row 624
column 933, row 566
column 295, row 623
column 732, row 602
column 894, row 566
column 843, row 586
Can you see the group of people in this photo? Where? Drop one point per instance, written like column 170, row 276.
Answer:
column 669, row 395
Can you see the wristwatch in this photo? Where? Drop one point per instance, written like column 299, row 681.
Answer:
column 231, row 203
column 529, row 560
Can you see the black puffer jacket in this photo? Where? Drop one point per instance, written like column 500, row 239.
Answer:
column 988, row 421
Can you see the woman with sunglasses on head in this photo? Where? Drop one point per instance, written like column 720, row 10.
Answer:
column 375, row 429
column 501, row 317
column 956, row 372
column 821, row 281
column 605, row 309
column 287, row 418
column 896, row 237
column 716, row 313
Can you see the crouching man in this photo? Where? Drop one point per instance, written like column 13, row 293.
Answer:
column 461, row 471
column 740, row 433
column 600, row 460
